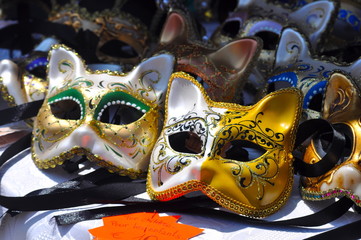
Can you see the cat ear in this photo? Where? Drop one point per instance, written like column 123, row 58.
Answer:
column 184, row 96
column 313, row 19
column 174, row 27
column 281, row 110
column 11, row 81
column 292, row 47
column 179, row 25
column 64, row 65
column 340, row 96
column 236, row 55
column 153, row 73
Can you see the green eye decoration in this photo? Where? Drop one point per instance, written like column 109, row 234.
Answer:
column 120, row 108
column 68, row 105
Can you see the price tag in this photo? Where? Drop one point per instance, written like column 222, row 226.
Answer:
column 144, row 226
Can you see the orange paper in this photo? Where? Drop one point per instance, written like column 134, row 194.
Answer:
column 144, row 226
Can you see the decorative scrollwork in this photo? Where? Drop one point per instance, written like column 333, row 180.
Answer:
column 260, row 172
column 251, row 130
column 177, row 163
column 195, row 125
column 343, row 100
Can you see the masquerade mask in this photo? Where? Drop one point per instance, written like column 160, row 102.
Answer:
column 23, row 79
column 239, row 156
column 222, row 71
column 342, row 108
column 295, row 66
column 111, row 118
column 122, row 37
column 265, row 19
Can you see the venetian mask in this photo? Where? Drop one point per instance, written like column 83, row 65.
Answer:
column 239, row 156
column 111, row 118
column 265, row 19
column 24, row 79
column 341, row 108
column 297, row 66
column 222, row 71
column 123, row 39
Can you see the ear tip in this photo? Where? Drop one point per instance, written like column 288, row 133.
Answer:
column 184, row 81
column 246, row 42
column 60, row 49
column 291, row 32
column 337, row 77
column 325, row 5
column 168, row 57
column 7, row 64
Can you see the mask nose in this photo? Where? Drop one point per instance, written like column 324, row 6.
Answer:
column 85, row 137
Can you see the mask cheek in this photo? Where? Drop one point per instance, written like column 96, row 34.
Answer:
column 51, row 129
column 259, row 183
column 170, row 171
column 35, row 87
column 135, row 140
column 346, row 177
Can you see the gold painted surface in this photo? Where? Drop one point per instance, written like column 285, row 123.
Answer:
column 256, row 188
column 341, row 106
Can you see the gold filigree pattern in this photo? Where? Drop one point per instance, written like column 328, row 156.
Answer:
column 342, row 101
column 253, row 187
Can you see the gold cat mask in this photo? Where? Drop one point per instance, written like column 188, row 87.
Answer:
column 341, row 107
column 239, row 156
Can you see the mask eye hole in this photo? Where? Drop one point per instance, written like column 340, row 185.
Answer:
column 67, row 105
column 270, row 39
column 116, row 48
column 241, row 150
column 323, row 141
column 66, row 109
column 316, row 102
column 120, row 108
column 231, row 29
column 119, row 114
column 186, row 142
column 38, row 67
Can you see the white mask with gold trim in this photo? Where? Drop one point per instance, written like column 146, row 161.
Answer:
column 111, row 118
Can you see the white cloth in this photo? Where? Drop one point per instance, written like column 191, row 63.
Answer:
column 20, row 176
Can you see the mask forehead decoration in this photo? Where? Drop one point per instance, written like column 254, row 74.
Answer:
column 342, row 108
column 297, row 66
column 122, row 37
column 111, row 118
column 239, row 156
column 222, row 71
